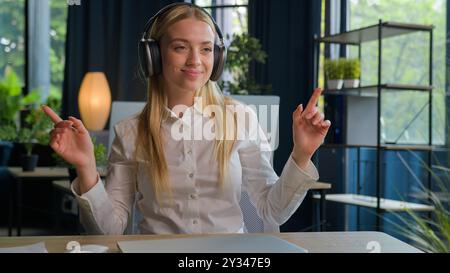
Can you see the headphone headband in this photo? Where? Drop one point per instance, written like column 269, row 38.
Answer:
column 149, row 24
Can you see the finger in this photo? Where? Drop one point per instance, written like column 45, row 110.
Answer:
column 325, row 123
column 297, row 113
column 314, row 99
column 60, row 130
column 318, row 118
column 311, row 113
column 78, row 125
column 54, row 143
column 64, row 124
column 50, row 113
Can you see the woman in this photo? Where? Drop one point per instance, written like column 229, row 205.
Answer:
column 184, row 185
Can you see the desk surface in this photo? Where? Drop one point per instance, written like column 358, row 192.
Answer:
column 355, row 242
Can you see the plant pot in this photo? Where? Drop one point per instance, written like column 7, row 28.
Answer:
column 72, row 174
column 29, row 162
column 334, row 84
column 351, row 83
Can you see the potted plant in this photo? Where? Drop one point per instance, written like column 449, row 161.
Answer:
column 28, row 131
column 100, row 159
column 243, row 50
column 334, row 73
column 10, row 104
column 352, row 72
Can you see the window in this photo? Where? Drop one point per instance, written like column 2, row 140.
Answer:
column 58, row 28
column 405, row 60
column 231, row 16
column 12, row 43
column 47, row 21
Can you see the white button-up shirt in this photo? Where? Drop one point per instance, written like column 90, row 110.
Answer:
column 199, row 205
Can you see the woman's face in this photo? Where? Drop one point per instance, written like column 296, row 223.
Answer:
column 187, row 55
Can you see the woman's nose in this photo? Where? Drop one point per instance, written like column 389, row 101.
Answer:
column 193, row 58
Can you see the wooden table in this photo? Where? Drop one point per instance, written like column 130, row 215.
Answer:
column 314, row 242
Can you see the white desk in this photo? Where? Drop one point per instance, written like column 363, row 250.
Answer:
column 314, row 242
column 371, row 202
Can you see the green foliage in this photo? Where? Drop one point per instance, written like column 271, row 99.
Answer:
column 243, row 50
column 334, row 69
column 10, row 98
column 352, row 69
column 430, row 234
column 34, row 127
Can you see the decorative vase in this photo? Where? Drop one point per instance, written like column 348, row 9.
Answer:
column 334, row 84
column 351, row 83
column 29, row 162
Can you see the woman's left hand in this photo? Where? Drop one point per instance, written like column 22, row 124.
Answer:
column 309, row 130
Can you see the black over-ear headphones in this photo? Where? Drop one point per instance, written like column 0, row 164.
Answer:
column 150, row 55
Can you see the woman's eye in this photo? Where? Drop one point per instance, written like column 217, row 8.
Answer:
column 180, row 48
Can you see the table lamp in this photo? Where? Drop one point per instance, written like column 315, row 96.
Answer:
column 94, row 101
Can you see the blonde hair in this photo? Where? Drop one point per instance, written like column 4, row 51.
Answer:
column 150, row 139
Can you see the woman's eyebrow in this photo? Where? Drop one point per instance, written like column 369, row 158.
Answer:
column 186, row 41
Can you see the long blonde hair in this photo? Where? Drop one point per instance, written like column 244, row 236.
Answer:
column 150, row 141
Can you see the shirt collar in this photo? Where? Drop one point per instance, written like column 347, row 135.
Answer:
column 197, row 107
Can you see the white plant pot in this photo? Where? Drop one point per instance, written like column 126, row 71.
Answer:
column 351, row 83
column 334, row 84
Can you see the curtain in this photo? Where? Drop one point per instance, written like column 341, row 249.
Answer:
column 103, row 35
column 286, row 31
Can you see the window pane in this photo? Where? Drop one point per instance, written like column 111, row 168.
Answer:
column 12, row 44
column 405, row 60
column 230, row 20
column 58, row 23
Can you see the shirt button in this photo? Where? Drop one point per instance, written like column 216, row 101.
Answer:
column 189, row 152
column 194, row 222
column 193, row 196
column 191, row 175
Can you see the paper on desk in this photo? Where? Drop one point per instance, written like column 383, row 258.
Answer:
column 35, row 248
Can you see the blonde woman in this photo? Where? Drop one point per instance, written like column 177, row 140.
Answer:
column 186, row 185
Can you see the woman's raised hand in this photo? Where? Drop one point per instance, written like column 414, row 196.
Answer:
column 309, row 130
column 70, row 140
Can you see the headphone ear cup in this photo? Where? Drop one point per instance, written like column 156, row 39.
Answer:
column 155, row 56
column 220, row 55
column 150, row 60
column 143, row 59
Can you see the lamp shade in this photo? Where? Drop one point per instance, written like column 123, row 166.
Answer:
column 94, row 101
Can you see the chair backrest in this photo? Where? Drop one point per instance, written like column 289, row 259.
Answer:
column 253, row 223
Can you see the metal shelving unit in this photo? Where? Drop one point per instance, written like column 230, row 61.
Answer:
column 357, row 37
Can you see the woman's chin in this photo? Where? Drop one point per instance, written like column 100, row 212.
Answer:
column 192, row 86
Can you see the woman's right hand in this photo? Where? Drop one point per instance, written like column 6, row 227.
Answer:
column 70, row 140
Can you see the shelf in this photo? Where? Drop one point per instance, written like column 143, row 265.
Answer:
column 372, row 90
column 371, row 202
column 370, row 33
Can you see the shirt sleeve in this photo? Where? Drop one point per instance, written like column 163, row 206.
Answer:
column 275, row 198
column 106, row 208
